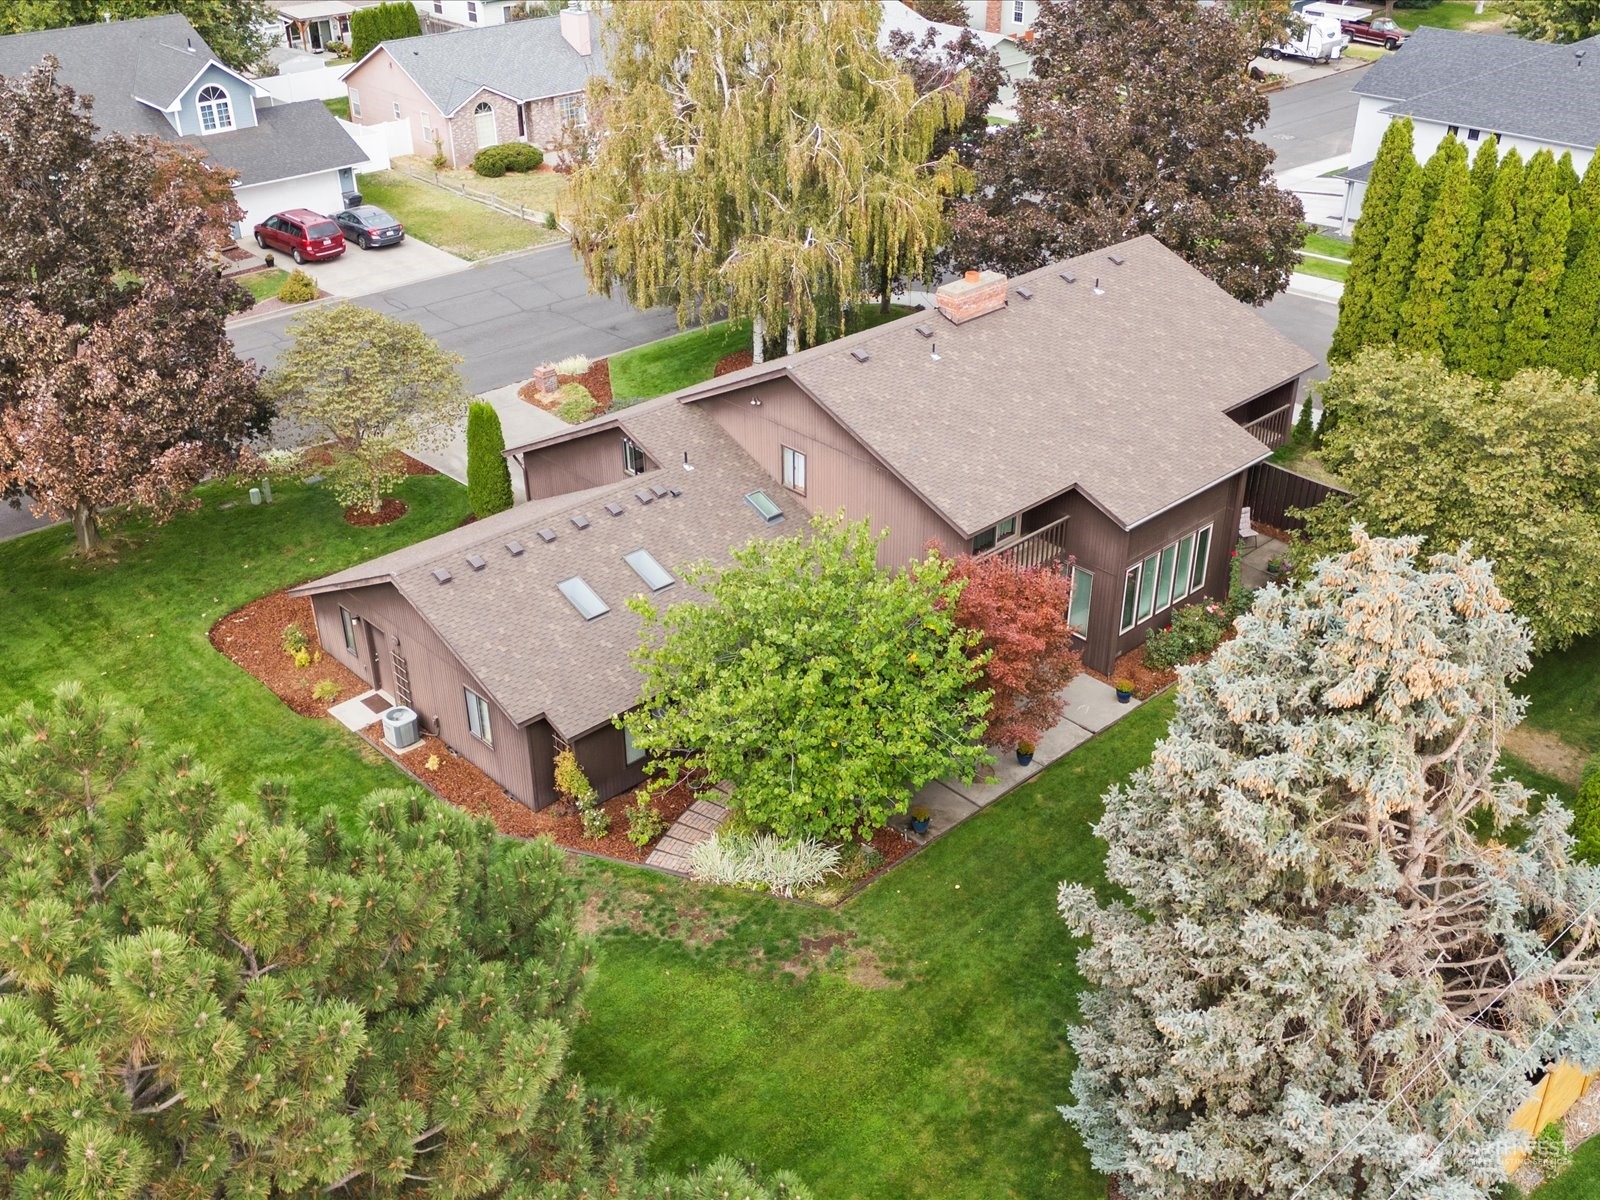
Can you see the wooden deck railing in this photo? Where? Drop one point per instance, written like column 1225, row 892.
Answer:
column 1275, row 427
column 1045, row 545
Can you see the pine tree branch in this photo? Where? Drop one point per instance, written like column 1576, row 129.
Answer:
column 151, row 1110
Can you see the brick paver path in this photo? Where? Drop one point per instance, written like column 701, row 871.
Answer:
column 699, row 822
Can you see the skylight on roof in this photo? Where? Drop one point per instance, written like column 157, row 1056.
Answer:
column 583, row 598
column 646, row 567
column 764, row 505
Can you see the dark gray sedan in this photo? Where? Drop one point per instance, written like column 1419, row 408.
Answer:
column 369, row 227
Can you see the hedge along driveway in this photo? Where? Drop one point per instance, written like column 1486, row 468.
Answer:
column 910, row 1043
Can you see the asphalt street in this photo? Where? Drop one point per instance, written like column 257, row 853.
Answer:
column 1307, row 322
column 1312, row 121
column 503, row 318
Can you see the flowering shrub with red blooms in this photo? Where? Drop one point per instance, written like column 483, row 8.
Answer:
column 1195, row 629
column 1021, row 617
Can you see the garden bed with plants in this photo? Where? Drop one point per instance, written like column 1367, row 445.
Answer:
column 583, row 390
column 256, row 637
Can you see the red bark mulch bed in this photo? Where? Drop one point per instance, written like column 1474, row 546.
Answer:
column 597, row 379
column 253, row 637
column 390, row 510
column 737, row 361
column 1146, row 681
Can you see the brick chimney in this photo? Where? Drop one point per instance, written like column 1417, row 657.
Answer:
column 991, row 16
column 575, row 28
column 975, row 293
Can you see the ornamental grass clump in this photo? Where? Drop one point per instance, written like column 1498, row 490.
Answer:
column 765, row 862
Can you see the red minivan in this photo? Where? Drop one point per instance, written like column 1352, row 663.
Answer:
column 302, row 233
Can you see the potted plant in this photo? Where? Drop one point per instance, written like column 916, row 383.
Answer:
column 1124, row 690
column 1276, row 567
column 1024, row 753
column 921, row 816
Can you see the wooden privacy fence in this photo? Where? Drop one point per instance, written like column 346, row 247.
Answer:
column 1271, row 491
column 1563, row 1085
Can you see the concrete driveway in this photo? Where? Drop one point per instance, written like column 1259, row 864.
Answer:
column 359, row 272
column 503, row 318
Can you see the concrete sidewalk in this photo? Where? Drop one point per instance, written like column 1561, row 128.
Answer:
column 520, row 421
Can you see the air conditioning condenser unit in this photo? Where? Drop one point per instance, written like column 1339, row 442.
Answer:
column 400, row 728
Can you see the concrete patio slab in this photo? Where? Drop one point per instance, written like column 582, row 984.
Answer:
column 1063, row 738
column 1093, row 705
column 354, row 714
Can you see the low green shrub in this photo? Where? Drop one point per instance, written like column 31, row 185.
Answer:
column 1550, row 1152
column 645, row 822
column 577, row 404
column 1195, row 629
column 1586, row 817
column 294, row 640
column 298, row 288
column 494, row 161
column 324, row 691
column 1240, row 596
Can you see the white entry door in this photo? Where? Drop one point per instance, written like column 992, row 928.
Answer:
column 483, row 116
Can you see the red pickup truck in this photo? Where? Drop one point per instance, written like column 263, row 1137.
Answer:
column 1380, row 31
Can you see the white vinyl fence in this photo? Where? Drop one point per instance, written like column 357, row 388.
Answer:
column 380, row 142
column 317, row 83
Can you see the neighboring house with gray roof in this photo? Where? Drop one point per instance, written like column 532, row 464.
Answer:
column 460, row 92
column 1531, row 95
column 156, row 76
column 1100, row 413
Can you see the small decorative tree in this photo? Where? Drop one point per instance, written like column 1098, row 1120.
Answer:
column 825, row 690
column 488, row 472
column 1346, row 939
column 1024, row 642
column 372, row 385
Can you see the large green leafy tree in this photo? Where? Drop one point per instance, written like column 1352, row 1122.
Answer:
column 1571, row 347
column 1136, row 119
column 1554, row 20
column 1390, row 170
column 239, row 32
column 206, row 998
column 756, row 155
column 1528, row 330
column 1511, row 467
column 374, row 388
column 1397, row 259
column 824, row 690
column 1344, row 941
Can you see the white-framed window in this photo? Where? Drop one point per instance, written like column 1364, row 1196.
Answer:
column 478, row 717
column 1016, row 12
column 1147, row 587
column 1202, row 551
column 1164, row 576
column 427, row 127
column 1184, row 571
column 1160, row 580
column 1082, row 597
column 349, row 625
column 472, row 12
column 397, row 110
column 990, row 538
column 632, row 457
column 794, row 470
column 572, row 110
column 216, row 113
column 355, row 103
column 1472, row 134
column 438, row 6
column 630, row 753
column 1130, row 596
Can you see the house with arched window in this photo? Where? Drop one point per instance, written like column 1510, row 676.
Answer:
column 157, row 76
column 522, row 81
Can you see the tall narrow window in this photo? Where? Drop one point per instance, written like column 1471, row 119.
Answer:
column 630, row 753
column 478, row 717
column 522, row 122
column 1082, row 595
column 397, row 116
column 355, row 103
column 215, row 112
column 349, row 624
column 1016, row 12
column 1164, row 580
column 1147, row 587
column 632, row 457
column 472, row 12
column 1130, row 597
column 794, row 470
column 1202, row 551
column 1181, row 574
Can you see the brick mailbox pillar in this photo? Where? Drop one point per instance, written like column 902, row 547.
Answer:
column 544, row 377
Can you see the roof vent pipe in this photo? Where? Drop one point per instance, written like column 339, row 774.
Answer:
column 687, row 465
column 1578, row 54
column 1098, row 290
column 933, row 351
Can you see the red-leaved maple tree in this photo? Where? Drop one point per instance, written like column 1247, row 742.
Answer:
column 1022, row 615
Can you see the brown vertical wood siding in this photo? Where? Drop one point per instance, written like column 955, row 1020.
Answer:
column 1265, row 403
column 840, row 472
column 437, row 682
column 1100, row 546
column 575, row 466
column 603, row 756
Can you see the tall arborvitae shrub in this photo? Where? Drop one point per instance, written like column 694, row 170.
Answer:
column 1485, row 165
column 1585, row 208
column 1529, row 327
column 1389, row 172
column 382, row 23
column 1571, row 347
column 1430, row 305
column 1395, row 261
column 1480, row 334
column 488, row 472
column 1533, row 200
column 1566, row 174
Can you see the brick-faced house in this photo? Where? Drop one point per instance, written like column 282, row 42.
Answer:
column 522, row 81
column 1106, row 408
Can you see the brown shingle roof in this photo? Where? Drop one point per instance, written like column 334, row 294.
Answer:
column 514, row 630
column 1120, row 394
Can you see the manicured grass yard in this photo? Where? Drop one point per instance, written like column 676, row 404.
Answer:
column 1323, row 269
column 263, row 285
column 541, row 190
column 943, row 1083
column 339, row 106
column 1563, row 691
column 692, row 357
column 450, row 221
column 1322, row 243
column 1451, row 14
column 137, row 627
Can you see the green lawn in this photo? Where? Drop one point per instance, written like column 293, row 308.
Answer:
column 942, row 1083
column 541, row 190
column 686, row 358
column 1323, row 269
column 1322, row 243
column 1452, row 14
column 339, row 106
column 263, row 285
column 450, row 221
column 137, row 626
column 1563, row 696
column 1581, row 1181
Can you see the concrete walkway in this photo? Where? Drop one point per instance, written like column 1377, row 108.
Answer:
column 520, row 421
column 1253, row 569
column 1091, row 707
